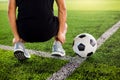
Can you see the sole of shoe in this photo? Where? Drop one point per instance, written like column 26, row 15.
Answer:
column 20, row 55
column 58, row 54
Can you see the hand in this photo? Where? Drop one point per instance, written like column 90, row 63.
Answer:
column 15, row 40
column 61, row 37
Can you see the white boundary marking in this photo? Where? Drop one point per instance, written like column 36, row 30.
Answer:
column 75, row 62
column 69, row 68
column 39, row 53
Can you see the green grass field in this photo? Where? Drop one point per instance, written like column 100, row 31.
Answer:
column 104, row 65
column 36, row 68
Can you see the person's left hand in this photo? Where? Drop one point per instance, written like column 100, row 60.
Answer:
column 61, row 37
column 15, row 40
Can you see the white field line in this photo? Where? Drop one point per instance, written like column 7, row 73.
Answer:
column 108, row 33
column 39, row 53
column 75, row 62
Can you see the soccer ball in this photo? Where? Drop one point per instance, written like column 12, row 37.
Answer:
column 84, row 45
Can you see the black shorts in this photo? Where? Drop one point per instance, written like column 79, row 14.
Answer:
column 37, row 31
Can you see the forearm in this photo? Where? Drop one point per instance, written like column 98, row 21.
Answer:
column 62, row 14
column 12, row 17
column 12, row 21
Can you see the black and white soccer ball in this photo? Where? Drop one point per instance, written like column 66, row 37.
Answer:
column 84, row 45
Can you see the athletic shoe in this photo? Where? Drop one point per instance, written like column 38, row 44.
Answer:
column 57, row 49
column 20, row 52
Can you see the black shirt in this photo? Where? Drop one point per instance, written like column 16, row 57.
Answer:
column 36, row 21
